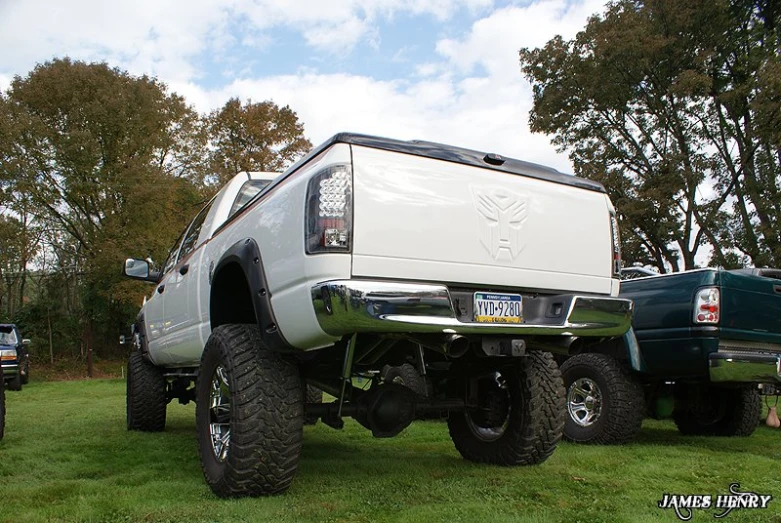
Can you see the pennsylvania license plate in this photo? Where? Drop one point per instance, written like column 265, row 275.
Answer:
column 498, row 308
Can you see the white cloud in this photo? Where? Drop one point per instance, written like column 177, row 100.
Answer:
column 352, row 29
column 163, row 37
column 494, row 41
column 472, row 113
column 5, row 82
column 338, row 25
column 473, row 95
column 144, row 36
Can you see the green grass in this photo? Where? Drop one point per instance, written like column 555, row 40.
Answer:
column 66, row 456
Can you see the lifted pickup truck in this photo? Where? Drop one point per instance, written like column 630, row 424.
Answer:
column 370, row 252
column 705, row 340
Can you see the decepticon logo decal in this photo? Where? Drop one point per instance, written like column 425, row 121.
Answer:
column 501, row 215
column 685, row 504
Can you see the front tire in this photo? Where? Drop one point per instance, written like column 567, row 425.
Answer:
column 249, row 415
column 146, row 395
column 708, row 410
column 520, row 415
column 605, row 403
column 25, row 371
column 15, row 383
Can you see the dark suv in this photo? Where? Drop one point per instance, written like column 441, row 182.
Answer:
column 14, row 358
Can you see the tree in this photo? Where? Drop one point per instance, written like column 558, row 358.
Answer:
column 20, row 243
column 674, row 106
column 106, row 163
column 254, row 137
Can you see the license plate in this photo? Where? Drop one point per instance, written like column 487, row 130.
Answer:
column 498, row 308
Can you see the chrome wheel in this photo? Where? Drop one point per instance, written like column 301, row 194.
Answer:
column 584, row 402
column 219, row 414
column 490, row 420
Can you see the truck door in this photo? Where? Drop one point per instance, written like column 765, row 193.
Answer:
column 182, row 339
column 154, row 313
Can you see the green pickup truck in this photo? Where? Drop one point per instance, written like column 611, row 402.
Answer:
column 705, row 343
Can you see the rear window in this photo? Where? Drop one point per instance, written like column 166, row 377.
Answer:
column 247, row 191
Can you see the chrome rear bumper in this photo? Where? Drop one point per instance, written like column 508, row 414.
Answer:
column 745, row 367
column 353, row 306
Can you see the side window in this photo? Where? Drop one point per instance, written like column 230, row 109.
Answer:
column 190, row 239
column 247, row 191
column 171, row 260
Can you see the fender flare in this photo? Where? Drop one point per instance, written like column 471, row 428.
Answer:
column 633, row 354
column 246, row 254
column 139, row 328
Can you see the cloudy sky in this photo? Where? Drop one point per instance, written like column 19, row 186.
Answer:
column 439, row 70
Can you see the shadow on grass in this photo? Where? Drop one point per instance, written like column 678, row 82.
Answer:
column 356, row 444
column 663, row 436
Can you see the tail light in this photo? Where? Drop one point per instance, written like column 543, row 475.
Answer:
column 707, row 306
column 329, row 216
column 616, row 250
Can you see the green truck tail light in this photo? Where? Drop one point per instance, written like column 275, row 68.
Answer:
column 707, row 306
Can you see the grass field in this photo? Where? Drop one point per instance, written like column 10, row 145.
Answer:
column 66, row 456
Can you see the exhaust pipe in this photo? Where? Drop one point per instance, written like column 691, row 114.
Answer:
column 456, row 345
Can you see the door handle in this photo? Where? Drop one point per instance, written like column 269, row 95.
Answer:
column 160, row 289
column 777, row 288
column 184, row 268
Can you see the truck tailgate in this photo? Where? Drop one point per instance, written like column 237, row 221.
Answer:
column 751, row 307
column 418, row 218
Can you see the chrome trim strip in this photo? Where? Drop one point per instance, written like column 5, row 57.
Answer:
column 750, row 346
column 745, row 367
column 348, row 306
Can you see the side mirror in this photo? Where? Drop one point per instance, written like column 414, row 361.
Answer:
column 140, row 270
column 25, row 341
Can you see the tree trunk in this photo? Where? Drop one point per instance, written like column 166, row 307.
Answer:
column 51, row 345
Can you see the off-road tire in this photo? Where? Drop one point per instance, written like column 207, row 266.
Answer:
column 408, row 376
column 2, row 411
column 266, row 415
column 15, row 383
column 622, row 405
column 313, row 395
column 26, row 372
column 536, row 418
column 146, row 395
column 741, row 409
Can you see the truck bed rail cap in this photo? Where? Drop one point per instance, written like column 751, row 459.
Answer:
column 450, row 153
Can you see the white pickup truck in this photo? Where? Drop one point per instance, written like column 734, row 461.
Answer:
column 372, row 252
